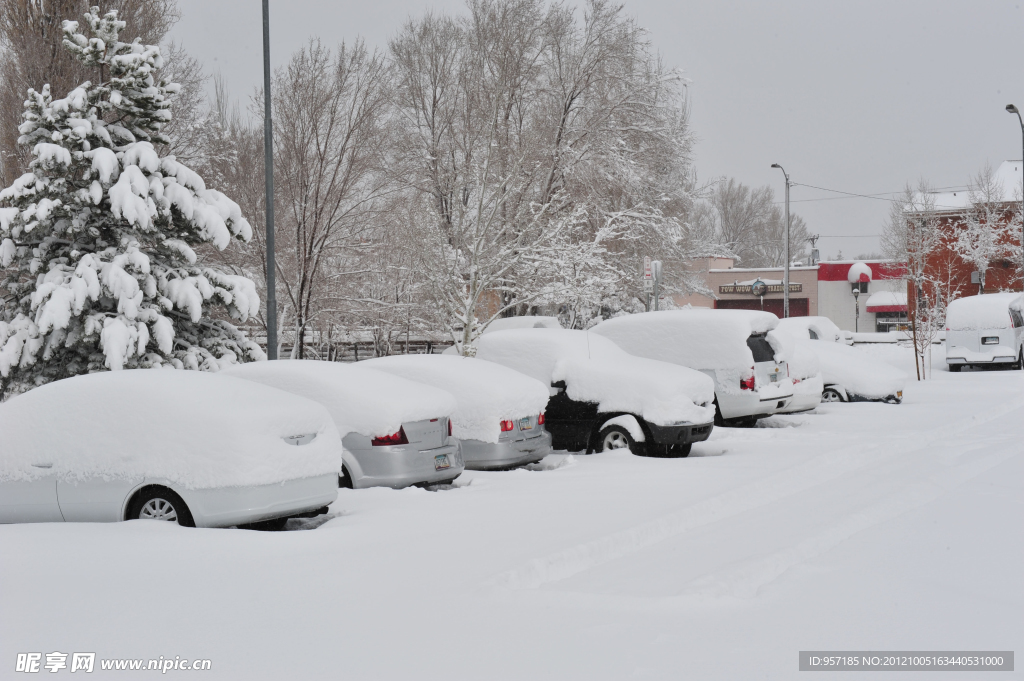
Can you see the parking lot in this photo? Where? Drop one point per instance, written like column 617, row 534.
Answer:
column 855, row 527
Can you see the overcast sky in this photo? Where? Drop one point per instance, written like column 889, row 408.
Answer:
column 860, row 96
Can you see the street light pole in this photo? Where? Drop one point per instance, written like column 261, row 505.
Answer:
column 268, row 170
column 1014, row 110
column 785, row 276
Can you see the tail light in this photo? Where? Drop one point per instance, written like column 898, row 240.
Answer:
column 507, row 426
column 540, row 419
column 398, row 438
column 795, row 381
column 747, row 383
column 449, row 427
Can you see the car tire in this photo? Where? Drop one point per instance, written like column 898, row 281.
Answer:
column 1020, row 360
column 160, row 503
column 955, row 368
column 719, row 419
column 617, row 437
column 680, row 451
column 831, row 395
column 345, row 479
column 272, row 525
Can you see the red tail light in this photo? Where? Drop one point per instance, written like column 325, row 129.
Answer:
column 507, row 426
column 449, row 427
column 747, row 383
column 398, row 438
column 540, row 419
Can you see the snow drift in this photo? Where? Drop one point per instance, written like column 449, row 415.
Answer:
column 195, row 429
column 596, row 370
column 361, row 400
column 486, row 393
column 524, row 322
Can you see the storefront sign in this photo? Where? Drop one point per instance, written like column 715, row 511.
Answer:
column 768, row 288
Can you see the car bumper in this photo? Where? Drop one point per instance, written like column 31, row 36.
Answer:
column 226, row 506
column 980, row 358
column 403, row 466
column 681, row 434
column 485, row 456
column 806, row 395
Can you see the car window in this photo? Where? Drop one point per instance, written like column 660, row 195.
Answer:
column 814, row 336
column 761, row 348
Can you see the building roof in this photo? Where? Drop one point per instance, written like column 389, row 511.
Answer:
column 1008, row 174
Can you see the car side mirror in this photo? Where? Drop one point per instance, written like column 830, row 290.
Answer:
column 558, row 385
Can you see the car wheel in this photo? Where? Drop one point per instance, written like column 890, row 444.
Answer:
column 719, row 419
column 955, row 368
column 831, row 395
column 617, row 437
column 1020, row 360
column 274, row 525
column 680, row 451
column 345, row 479
column 160, row 503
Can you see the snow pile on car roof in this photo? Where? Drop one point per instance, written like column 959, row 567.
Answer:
column 824, row 327
column 196, row 429
column 699, row 339
column 526, row 322
column 986, row 311
column 596, row 370
column 853, row 369
column 487, row 393
column 361, row 400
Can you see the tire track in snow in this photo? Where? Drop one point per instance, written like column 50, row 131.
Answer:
column 821, row 469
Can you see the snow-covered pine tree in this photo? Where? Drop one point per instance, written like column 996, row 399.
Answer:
column 97, row 242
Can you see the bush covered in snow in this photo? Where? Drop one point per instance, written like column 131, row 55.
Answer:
column 98, row 242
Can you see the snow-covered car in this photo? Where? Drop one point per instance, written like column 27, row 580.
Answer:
column 985, row 330
column 499, row 422
column 736, row 348
column 396, row 432
column 814, row 328
column 850, row 375
column 805, row 372
column 185, row 446
column 602, row 398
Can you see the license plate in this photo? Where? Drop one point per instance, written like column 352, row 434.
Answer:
column 525, row 424
column 774, row 378
column 441, row 462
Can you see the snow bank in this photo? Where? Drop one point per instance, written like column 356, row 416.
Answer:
column 486, row 393
column 597, row 370
column 986, row 311
column 706, row 340
column 361, row 400
column 506, row 323
column 192, row 428
column 853, row 369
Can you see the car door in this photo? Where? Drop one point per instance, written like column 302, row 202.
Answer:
column 94, row 499
column 33, row 500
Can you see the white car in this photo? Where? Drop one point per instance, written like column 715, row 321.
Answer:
column 808, row 382
column 603, row 398
column 499, row 421
column 985, row 331
column 396, row 432
column 735, row 348
column 185, row 446
column 815, row 328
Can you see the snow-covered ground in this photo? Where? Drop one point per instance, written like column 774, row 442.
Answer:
column 856, row 527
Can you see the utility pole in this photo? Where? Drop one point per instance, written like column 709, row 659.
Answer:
column 785, row 275
column 268, row 171
column 1014, row 110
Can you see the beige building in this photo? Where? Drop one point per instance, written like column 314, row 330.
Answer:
column 755, row 288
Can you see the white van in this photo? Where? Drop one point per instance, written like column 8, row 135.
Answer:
column 736, row 348
column 985, row 330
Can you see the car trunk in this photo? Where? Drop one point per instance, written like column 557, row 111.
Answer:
column 427, row 434
column 767, row 371
column 522, row 428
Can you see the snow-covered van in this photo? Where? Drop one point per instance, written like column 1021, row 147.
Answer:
column 602, row 398
column 985, row 330
column 736, row 348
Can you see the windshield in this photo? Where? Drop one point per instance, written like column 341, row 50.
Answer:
column 761, row 348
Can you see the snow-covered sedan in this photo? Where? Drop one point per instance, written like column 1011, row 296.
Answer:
column 808, row 383
column 185, row 446
column 499, row 421
column 396, row 432
column 735, row 348
column 602, row 398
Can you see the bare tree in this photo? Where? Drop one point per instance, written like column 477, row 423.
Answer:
column 983, row 234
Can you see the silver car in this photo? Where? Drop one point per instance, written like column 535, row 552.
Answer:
column 181, row 446
column 397, row 432
column 499, row 419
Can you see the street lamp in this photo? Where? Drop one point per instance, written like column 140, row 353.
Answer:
column 268, row 170
column 785, row 276
column 856, row 303
column 1014, row 110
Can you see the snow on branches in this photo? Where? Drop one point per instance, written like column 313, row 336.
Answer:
column 98, row 242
